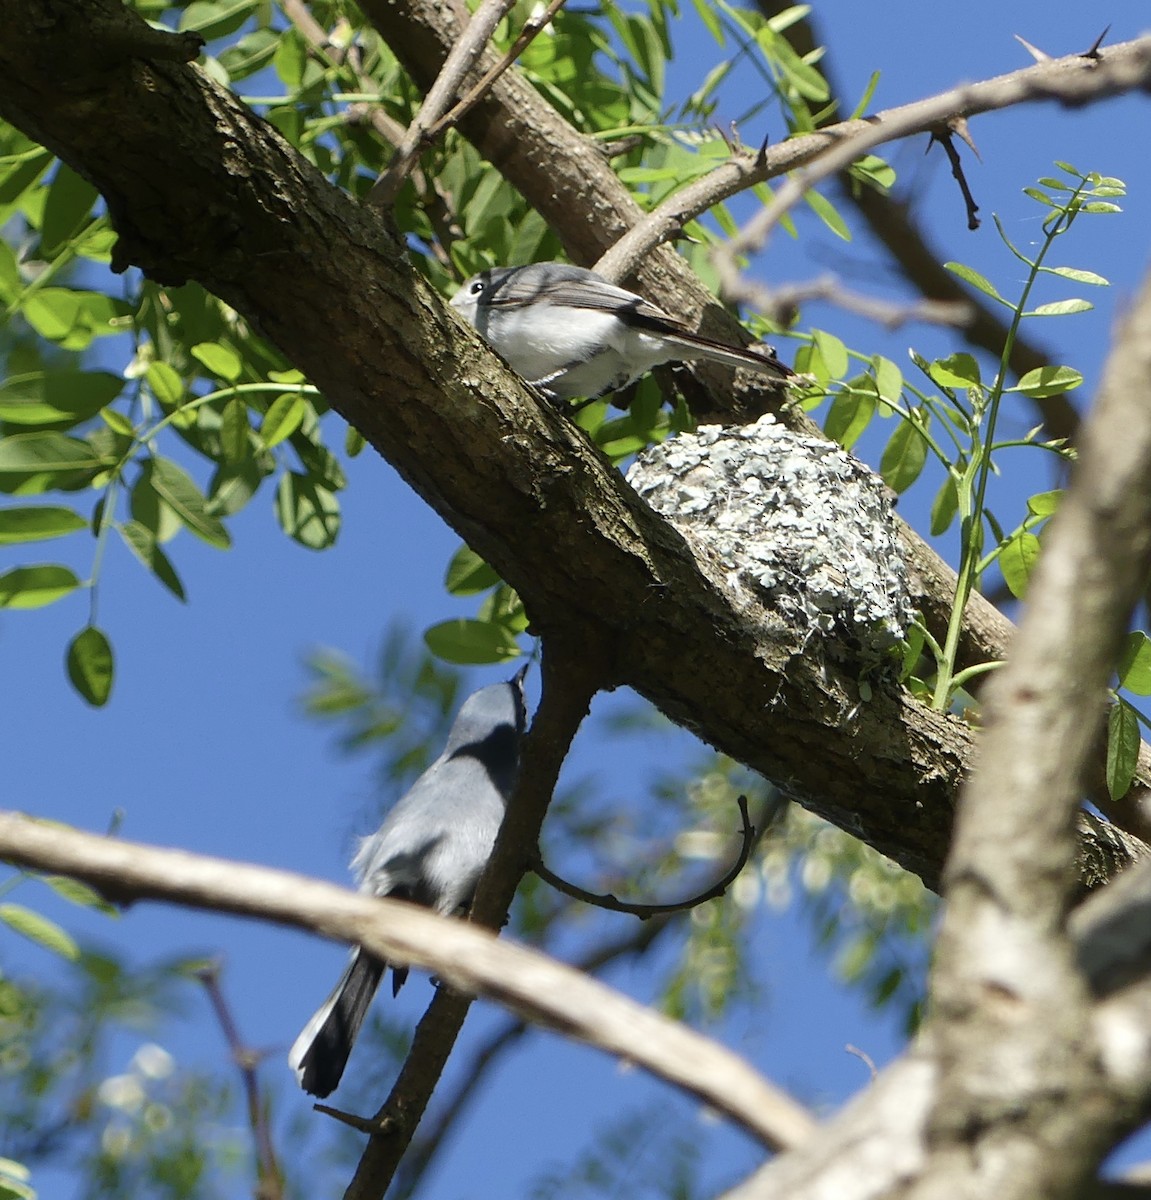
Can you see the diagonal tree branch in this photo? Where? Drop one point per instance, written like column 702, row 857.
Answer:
column 322, row 280
column 467, row 957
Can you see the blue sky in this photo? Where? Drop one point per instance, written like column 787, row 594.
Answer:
column 203, row 745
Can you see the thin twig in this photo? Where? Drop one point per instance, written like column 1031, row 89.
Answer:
column 531, row 29
column 269, row 1177
column 815, row 156
column 463, row 57
column 1072, row 80
column 777, row 303
column 646, row 911
column 945, row 137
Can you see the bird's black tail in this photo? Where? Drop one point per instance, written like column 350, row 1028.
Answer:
column 320, row 1053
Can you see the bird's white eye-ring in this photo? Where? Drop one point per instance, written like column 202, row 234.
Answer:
column 476, row 288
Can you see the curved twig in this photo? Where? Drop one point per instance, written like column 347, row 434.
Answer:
column 645, row 912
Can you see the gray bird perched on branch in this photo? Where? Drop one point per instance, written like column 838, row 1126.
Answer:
column 570, row 333
column 431, row 849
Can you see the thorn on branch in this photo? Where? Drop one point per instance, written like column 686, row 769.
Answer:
column 1093, row 52
column 748, row 833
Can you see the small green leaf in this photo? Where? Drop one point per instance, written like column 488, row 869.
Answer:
column 283, row 418
column 36, row 524
column 166, row 385
column 222, row 361
column 79, row 893
column 1134, row 667
column 143, row 544
column 90, row 665
column 39, row 929
column 1048, row 381
column 234, row 430
column 178, row 490
column 1122, row 749
column 1017, row 559
column 1078, row 275
column 849, row 415
column 33, row 587
column 977, row 281
column 944, row 507
column 463, row 641
column 955, row 371
column 833, row 352
column 468, row 574
column 44, row 397
column 904, row 456
column 827, row 213
column 1043, row 504
column 1060, row 308
column 67, row 208
column 308, row 513
column 354, row 442
column 1100, row 206
column 888, row 378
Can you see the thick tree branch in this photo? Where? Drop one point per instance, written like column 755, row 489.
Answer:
column 568, row 180
column 200, row 188
column 467, row 957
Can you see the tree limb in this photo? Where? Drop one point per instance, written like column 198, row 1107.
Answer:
column 466, row 956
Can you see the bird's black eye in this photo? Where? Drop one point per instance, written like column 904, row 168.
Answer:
column 476, row 288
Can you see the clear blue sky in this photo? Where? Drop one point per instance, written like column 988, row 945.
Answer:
column 203, row 746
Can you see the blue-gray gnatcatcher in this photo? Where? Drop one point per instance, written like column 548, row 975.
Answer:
column 571, row 334
column 431, row 849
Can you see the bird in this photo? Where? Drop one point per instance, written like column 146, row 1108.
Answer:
column 430, row 849
column 572, row 334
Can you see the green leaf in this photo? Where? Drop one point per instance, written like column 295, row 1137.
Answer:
column 888, row 378
column 90, row 665
column 833, row 352
column 1017, row 559
column 1134, row 667
column 283, row 418
column 1043, row 504
column 865, row 99
column 222, row 361
column 827, row 213
column 178, row 490
column 977, row 281
column 307, row 511
column 463, row 641
column 76, row 892
column 67, row 208
column 45, row 397
column 955, row 371
column 143, row 544
column 166, row 384
column 37, row 524
column 849, row 415
column 708, row 16
column 216, row 18
column 39, row 929
column 944, row 507
column 1122, row 749
column 468, row 574
column 253, row 51
column 1048, row 381
column 234, row 430
column 1078, row 275
column 904, row 456
column 33, row 587
column 1100, row 206
column 1060, row 308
